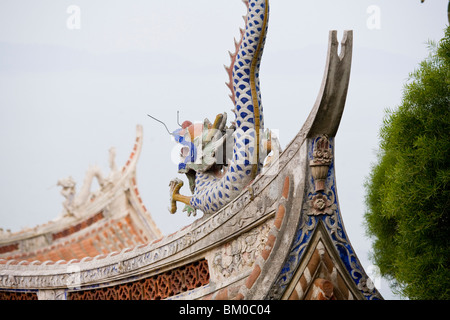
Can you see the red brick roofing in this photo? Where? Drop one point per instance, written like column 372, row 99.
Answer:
column 107, row 237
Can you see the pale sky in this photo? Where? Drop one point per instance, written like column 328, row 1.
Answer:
column 68, row 94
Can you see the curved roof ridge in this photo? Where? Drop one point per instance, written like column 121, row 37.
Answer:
column 102, row 205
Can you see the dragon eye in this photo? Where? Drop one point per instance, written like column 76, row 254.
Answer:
column 184, row 151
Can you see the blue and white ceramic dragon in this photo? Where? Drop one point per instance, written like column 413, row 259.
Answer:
column 221, row 161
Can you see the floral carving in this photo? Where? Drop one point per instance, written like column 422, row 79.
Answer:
column 320, row 204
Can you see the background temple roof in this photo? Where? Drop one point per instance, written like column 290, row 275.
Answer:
column 107, row 220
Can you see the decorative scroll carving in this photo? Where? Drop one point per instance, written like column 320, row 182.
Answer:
column 157, row 287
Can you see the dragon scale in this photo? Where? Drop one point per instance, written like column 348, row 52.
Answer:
column 213, row 190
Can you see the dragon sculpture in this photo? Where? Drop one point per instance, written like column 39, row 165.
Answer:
column 75, row 201
column 221, row 161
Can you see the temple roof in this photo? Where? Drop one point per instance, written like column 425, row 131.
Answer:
column 92, row 223
column 282, row 237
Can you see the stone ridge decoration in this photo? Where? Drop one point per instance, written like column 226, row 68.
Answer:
column 102, row 267
column 156, row 287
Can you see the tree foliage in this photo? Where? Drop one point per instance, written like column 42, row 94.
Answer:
column 407, row 192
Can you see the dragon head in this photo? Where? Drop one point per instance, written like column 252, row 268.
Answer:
column 203, row 146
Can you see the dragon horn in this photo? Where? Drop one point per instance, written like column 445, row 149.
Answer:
column 216, row 126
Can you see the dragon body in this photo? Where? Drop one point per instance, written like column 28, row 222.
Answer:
column 217, row 176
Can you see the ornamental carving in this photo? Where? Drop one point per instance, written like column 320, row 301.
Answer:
column 321, row 207
column 321, row 204
column 240, row 254
column 322, row 158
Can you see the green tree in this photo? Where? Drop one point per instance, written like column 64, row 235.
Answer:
column 407, row 191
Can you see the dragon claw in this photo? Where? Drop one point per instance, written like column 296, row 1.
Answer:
column 190, row 210
column 175, row 186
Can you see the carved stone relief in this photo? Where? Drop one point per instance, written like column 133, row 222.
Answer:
column 237, row 257
column 322, row 158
